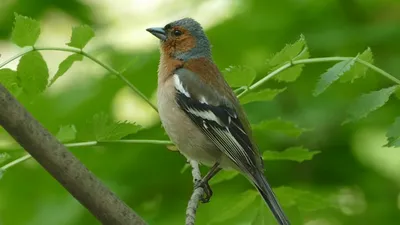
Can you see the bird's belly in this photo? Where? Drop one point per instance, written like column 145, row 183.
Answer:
column 189, row 139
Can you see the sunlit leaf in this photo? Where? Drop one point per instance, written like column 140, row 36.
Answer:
column 8, row 78
column 26, row 31
column 238, row 204
column 238, row 76
column 333, row 74
column 102, row 128
column 295, row 51
column 303, row 200
column 393, row 134
column 264, row 95
column 65, row 65
column 298, row 154
column 358, row 70
column 81, row 35
column 367, row 103
column 278, row 125
column 66, row 133
column 223, row 175
column 33, row 73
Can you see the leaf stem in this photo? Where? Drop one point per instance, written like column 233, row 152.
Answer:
column 90, row 143
column 87, row 55
column 317, row 60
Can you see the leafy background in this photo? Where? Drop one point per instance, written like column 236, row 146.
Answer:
column 324, row 171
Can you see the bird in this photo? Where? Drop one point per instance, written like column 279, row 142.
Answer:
column 201, row 114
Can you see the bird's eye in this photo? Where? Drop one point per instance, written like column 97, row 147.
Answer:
column 177, row 32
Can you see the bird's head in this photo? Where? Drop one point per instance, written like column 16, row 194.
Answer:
column 183, row 39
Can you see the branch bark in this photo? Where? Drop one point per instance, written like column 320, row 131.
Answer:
column 193, row 203
column 62, row 164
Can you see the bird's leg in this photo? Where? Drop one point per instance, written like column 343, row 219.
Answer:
column 204, row 183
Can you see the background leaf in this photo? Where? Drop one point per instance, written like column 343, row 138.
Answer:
column 66, row 133
column 223, row 175
column 295, row 51
column 298, row 154
column 304, row 200
column 8, row 78
column 65, row 65
column 333, row 74
column 367, row 103
column 358, row 70
column 102, row 128
column 393, row 134
column 264, row 95
column 33, row 73
column 239, row 76
column 278, row 125
column 81, row 35
column 26, row 31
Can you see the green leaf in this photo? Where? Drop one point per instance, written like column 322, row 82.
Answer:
column 234, row 208
column 264, row 95
column 81, row 35
column 66, row 133
column 8, row 78
column 33, row 73
column 239, row 76
column 332, row 74
column 303, row 200
column 4, row 157
column 26, row 31
column 358, row 70
column 102, row 128
column 393, row 134
column 65, row 65
column 367, row 103
column 295, row 51
column 223, row 175
column 298, row 154
column 278, row 125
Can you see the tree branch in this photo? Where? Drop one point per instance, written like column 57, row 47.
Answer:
column 62, row 164
column 196, row 195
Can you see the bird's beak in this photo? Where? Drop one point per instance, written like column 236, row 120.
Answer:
column 159, row 32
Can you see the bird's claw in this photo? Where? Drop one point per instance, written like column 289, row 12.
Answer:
column 207, row 190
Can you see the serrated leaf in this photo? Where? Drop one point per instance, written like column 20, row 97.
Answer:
column 102, row 128
column 239, row 76
column 333, row 74
column 223, row 175
column 66, row 133
column 295, row 51
column 8, row 78
column 33, row 73
column 65, row 65
column 4, row 157
column 298, row 154
column 81, row 35
column 303, row 200
column 232, row 209
column 26, row 31
column 367, row 103
column 393, row 134
column 278, row 125
column 264, row 95
column 358, row 70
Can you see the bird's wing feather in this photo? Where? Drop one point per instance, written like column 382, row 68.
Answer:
column 216, row 118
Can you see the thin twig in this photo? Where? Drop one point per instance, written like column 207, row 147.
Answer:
column 90, row 143
column 195, row 198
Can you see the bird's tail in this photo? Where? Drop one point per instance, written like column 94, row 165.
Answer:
column 269, row 197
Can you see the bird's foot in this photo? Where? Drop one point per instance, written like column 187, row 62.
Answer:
column 207, row 190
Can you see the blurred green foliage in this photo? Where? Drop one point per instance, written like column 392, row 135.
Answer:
column 353, row 180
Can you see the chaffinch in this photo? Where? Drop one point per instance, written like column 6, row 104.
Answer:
column 200, row 112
